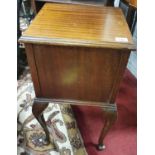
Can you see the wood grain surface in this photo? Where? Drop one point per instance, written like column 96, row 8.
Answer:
column 79, row 25
column 87, row 74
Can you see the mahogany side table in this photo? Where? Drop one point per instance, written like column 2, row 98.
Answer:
column 77, row 55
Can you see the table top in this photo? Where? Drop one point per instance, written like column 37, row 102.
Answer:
column 79, row 25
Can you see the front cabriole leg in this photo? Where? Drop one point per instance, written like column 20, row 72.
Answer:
column 110, row 113
column 37, row 110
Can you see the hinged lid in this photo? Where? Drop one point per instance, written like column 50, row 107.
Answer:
column 79, row 25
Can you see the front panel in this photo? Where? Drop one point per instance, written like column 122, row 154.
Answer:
column 79, row 73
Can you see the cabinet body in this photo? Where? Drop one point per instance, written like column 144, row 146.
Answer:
column 76, row 73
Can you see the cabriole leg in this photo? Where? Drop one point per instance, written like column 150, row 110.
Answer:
column 110, row 118
column 37, row 110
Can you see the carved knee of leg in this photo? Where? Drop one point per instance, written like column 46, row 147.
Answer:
column 37, row 108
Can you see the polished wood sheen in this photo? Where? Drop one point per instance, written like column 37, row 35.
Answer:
column 80, row 25
column 77, row 55
column 63, row 72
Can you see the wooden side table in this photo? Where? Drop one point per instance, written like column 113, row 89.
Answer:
column 77, row 55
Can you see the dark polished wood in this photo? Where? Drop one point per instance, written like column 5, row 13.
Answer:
column 103, row 105
column 77, row 55
column 79, row 25
column 110, row 116
column 37, row 111
column 63, row 72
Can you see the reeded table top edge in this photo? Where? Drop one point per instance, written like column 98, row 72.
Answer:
column 74, row 42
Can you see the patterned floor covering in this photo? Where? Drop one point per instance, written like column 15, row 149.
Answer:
column 65, row 136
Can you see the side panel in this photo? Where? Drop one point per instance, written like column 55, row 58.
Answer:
column 88, row 74
column 33, row 68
